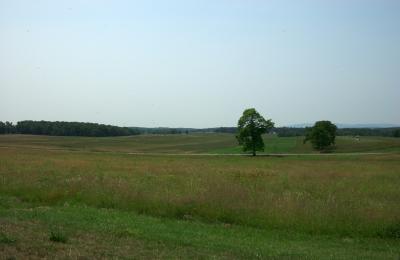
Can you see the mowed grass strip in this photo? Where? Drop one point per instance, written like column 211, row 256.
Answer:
column 355, row 196
column 106, row 233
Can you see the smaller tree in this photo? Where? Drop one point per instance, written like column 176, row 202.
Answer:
column 322, row 135
column 251, row 126
column 9, row 128
column 396, row 133
column 2, row 128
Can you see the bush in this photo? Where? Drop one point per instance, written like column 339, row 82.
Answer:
column 4, row 239
column 58, row 236
column 392, row 231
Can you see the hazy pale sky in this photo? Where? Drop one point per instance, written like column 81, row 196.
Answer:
column 200, row 63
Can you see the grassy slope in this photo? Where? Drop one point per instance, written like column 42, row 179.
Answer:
column 342, row 195
column 344, row 144
column 107, row 233
column 142, row 143
column 196, row 143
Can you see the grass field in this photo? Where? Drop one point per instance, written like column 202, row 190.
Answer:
column 196, row 143
column 153, row 206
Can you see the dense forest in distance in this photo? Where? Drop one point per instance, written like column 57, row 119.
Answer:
column 64, row 129
column 60, row 128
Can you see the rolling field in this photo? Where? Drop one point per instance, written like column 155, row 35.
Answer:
column 194, row 143
column 113, row 204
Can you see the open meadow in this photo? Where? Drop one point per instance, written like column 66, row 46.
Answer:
column 100, row 201
column 199, row 129
column 209, row 143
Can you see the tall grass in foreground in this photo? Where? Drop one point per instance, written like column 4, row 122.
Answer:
column 348, row 196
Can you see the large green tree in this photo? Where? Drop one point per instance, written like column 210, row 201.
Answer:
column 251, row 126
column 322, row 135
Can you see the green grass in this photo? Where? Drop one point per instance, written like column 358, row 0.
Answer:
column 344, row 144
column 194, row 143
column 113, row 204
column 114, row 233
column 198, row 143
column 343, row 195
column 273, row 145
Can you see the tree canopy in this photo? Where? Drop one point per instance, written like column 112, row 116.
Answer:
column 7, row 128
column 64, row 128
column 396, row 133
column 251, row 126
column 322, row 135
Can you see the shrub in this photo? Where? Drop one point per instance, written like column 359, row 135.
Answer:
column 58, row 236
column 4, row 239
column 392, row 231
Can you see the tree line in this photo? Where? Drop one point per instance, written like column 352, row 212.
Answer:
column 279, row 131
column 7, row 128
column 92, row 129
column 60, row 128
column 384, row 132
column 183, row 130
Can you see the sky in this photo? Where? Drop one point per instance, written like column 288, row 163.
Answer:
column 200, row 63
